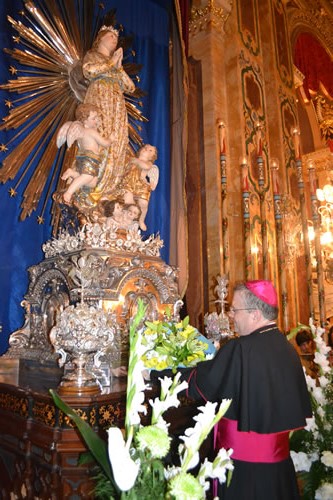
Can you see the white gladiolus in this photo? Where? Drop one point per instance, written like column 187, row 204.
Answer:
column 194, row 436
column 217, row 469
column 168, row 398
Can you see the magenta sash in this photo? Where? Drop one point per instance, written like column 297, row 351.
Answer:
column 251, row 446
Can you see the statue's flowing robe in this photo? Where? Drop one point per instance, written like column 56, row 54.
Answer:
column 107, row 85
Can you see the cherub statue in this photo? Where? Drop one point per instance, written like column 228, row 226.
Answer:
column 140, row 179
column 90, row 144
column 113, row 212
column 131, row 216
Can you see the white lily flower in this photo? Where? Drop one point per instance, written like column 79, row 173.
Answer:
column 325, row 492
column 311, row 424
column 323, row 381
column 166, row 383
column 321, row 359
column 303, row 461
column 319, row 395
column 125, row 470
column 327, row 458
column 321, row 412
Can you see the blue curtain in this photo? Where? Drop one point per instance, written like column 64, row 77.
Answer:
column 21, row 241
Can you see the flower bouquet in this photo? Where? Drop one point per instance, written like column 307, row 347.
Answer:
column 169, row 345
column 312, row 446
column 132, row 464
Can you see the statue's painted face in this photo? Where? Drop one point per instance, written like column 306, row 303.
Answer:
column 110, row 39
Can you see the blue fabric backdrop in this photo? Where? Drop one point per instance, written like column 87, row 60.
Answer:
column 21, row 242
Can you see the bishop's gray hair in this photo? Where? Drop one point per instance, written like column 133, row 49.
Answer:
column 253, row 302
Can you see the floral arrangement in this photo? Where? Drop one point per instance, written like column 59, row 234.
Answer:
column 312, row 447
column 169, row 344
column 132, row 464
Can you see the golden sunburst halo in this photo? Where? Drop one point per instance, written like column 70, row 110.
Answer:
column 50, row 41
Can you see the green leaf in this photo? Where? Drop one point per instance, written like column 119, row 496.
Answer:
column 152, row 326
column 95, row 444
column 186, row 321
column 294, row 331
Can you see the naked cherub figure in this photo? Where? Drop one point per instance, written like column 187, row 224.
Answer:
column 140, row 180
column 90, row 145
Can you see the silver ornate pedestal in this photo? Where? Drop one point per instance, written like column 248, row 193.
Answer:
column 114, row 269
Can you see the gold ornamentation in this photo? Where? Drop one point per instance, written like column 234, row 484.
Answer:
column 312, row 17
column 14, row 404
column 92, row 418
column 68, row 421
column 324, row 112
column 44, row 413
column 109, row 414
column 322, row 158
column 210, row 16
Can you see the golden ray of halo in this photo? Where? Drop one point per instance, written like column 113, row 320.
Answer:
column 53, row 37
column 47, row 99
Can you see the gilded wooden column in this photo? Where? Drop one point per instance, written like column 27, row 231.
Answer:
column 318, row 252
column 262, row 191
column 304, row 218
column 223, row 170
column 246, row 217
column 206, row 46
column 280, row 243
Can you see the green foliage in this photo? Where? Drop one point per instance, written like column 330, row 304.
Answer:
column 170, row 345
column 104, row 489
column 150, row 483
column 95, row 444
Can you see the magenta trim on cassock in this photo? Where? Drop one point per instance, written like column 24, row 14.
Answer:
column 251, row 446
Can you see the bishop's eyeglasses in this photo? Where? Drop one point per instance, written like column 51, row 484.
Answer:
column 235, row 309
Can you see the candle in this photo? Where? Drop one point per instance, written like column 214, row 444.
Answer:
column 221, row 127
